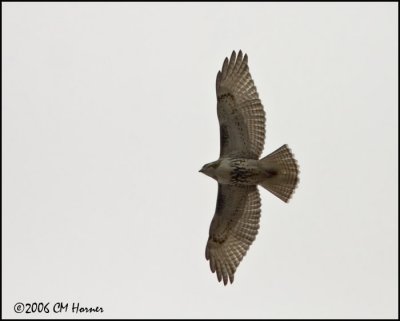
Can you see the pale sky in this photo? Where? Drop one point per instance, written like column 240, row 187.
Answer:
column 109, row 111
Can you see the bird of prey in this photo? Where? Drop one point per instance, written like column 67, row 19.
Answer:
column 239, row 170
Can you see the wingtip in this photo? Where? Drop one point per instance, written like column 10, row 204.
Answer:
column 233, row 58
column 218, row 79
column 240, row 55
column 228, row 280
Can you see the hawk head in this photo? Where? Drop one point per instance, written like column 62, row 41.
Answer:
column 209, row 169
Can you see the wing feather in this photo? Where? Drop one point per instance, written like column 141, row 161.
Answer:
column 233, row 229
column 240, row 111
column 231, row 64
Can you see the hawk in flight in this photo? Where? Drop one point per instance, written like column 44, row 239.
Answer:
column 239, row 170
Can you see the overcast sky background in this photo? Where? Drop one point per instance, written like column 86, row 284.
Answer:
column 109, row 111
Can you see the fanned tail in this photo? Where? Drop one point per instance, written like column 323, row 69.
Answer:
column 281, row 172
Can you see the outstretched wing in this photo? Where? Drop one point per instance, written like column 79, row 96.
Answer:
column 240, row 112
column 233, row 228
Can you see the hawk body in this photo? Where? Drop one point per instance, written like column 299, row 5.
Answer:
column 239, row 170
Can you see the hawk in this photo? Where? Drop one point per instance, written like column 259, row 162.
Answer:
column 239, row 170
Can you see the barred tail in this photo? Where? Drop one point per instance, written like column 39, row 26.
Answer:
column 281, row 173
